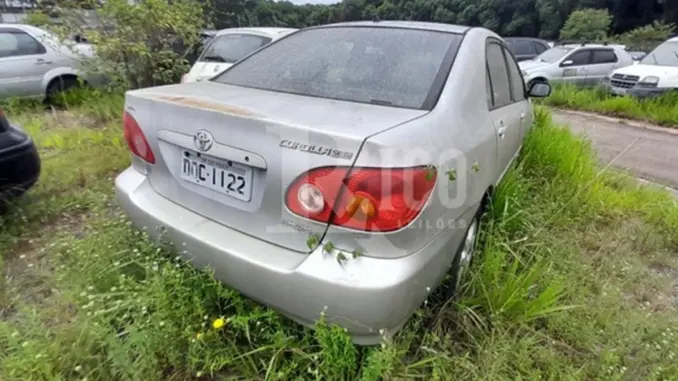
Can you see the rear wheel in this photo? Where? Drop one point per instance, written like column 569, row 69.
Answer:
column 59, row 87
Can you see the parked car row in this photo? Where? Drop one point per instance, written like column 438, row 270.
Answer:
column 36, row 64
column 372, row 138
column 610, row 66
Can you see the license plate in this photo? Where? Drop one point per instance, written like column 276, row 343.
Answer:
column 618, row 91
column 231, row 179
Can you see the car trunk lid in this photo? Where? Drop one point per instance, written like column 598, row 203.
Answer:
column 260, row 141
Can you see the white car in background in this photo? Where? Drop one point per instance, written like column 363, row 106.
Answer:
column 228, row 47
column 575, row 64
column 35, row 64
column 655, row 74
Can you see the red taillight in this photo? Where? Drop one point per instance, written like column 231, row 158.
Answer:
column 368, row 199
column 136, row 141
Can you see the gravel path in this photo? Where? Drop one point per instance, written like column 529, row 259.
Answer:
column 648, row 152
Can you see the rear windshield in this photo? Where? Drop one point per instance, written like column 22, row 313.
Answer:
column 387, row 66
column 230, row 48
column 665, row 54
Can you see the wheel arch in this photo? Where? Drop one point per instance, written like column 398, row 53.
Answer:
column 56, row 73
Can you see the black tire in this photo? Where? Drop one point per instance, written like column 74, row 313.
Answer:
column 58, row 87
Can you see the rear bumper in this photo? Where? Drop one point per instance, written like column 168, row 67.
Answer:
column 364, row 296
column 19, row 165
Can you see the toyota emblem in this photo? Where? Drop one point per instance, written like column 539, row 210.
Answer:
column 203, row 140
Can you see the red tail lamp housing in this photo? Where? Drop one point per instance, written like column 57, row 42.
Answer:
column 365, row 199
column 136, row 140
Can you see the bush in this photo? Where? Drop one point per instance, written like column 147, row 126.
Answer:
column 646, row 38
column 587, row 24
column 136, row 44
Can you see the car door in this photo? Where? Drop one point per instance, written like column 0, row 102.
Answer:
column 575, row 66
column 505, row 113
column 603, row 61
column 23, row 63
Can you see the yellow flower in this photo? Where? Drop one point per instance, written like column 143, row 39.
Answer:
column 199, row 336
column 218, row 323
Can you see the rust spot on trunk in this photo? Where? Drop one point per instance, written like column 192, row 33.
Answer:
column 205, row 105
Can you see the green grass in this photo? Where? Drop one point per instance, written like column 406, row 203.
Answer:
column 660, row 110
column 575, row 282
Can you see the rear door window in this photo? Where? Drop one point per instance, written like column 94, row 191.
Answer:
column 499, row 76
column 539, row 48
column 603, row 56
column 17, row 43
column 522, row 48
column 230, row 48
column 580, row 57
column 517, row 81
column 386, row 66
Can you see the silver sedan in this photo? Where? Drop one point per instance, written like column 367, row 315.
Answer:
column 339, row 171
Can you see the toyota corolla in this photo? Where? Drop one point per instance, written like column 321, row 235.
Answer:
column 340, row 170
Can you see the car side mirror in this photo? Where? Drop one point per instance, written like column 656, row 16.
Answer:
column 539, row 90
column 566, row 63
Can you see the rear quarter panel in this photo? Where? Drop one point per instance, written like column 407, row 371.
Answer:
column 457, row 135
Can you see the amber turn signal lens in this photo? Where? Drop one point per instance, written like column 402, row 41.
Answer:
column 365, row 205
column 368, row 208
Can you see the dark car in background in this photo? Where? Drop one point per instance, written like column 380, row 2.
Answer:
column 526, row 48
column 19, row 161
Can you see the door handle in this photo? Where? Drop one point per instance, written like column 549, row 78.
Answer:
column 40, row 61
column 501, row 131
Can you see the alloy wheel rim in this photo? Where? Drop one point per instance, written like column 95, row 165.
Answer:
column 467, row 252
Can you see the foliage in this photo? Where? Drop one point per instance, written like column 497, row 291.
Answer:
column 136, row 44
column 587, row 25
column 660, row 110
column 647, row 37
column 542, row 18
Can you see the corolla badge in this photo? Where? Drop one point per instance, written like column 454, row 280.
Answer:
column 216, row 68
column 203, row 140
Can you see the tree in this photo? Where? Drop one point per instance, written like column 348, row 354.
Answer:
column 647, row 37
column 587, row 24
column 136, row 44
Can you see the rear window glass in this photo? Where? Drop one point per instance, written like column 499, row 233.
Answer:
column 388, row 66
column 230, row 48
